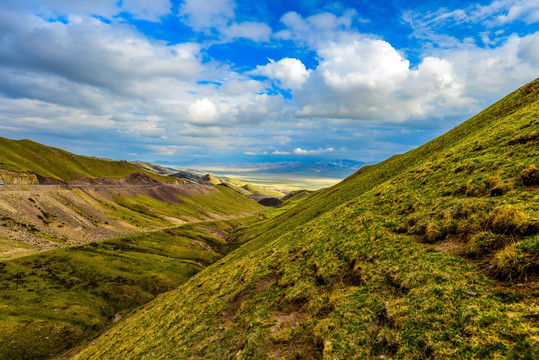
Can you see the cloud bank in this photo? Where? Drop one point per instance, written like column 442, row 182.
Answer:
column 220, row 78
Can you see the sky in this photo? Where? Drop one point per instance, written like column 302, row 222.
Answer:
column 235, row 81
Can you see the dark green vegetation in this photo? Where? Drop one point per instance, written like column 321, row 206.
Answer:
column 27, row 155
column 52, row 301
column 429, row 254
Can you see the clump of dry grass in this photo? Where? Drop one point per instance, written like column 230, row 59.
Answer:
column 530, row 176
column 517, row 260
column 509, row 220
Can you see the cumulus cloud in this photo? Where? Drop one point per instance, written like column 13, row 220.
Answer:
column 89, row 52
column 300, row 151
column 80, row 73
column 488, row 74
column 290, row 72
column 203, row 112
column 368, row 79
column 261, row 107
column 87, row 74
column 255, row 31
column 217, row 17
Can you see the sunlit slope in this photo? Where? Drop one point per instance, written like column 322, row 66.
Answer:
column 351, row 272
column 39, row 218
column 27, row 155
column 464, row 137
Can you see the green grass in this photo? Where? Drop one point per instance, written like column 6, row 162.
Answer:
column 224, row 201
column 27, row 155
column 220, row 200
column 54, row 300
column 352, row 273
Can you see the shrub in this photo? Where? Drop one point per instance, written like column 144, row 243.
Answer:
column 530, row 176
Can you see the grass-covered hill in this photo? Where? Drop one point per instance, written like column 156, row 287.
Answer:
column 429, row 254
column 38, row 218
column 49, row 162
column 54, row 300
column 241, row 187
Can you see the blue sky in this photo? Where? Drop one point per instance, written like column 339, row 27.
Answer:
column 216, row 81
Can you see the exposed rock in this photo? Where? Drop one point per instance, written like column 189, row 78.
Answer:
column 11, row 177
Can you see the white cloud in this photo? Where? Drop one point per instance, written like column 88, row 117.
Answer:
column 146, row 9
column 203, row 112
column 432, row 25
column 168, row 149
column 489, row 74
column 317, row 28
column 259, row 108
column 255, row 31
column 278, row 152
column 525, row 10
column 368, row 79
column 300, row 151
column 207, row 14
column 290, row 72
column 203, row 132
column 282, row 139
column 150, row 10
column 239, row 87
column 528, row 49
column 217, row 17
column 90, row 75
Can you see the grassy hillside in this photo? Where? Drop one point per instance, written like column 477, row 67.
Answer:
column 244, row 188
column 430, row 254
column 39, row 218
column 157, row 169
column 27, row 155
column 52, row 301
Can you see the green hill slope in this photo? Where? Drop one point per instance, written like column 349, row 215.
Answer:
column 429, row 254
column 54, row 300
column 27, row 155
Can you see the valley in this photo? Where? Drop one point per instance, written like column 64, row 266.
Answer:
column 78, row 253
column 428, row 254
column 290, row 180
column 40, row 217
column 351, row 272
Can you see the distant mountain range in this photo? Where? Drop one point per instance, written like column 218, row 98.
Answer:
column 335, row 168
column 339, row 168
column 283, row 176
